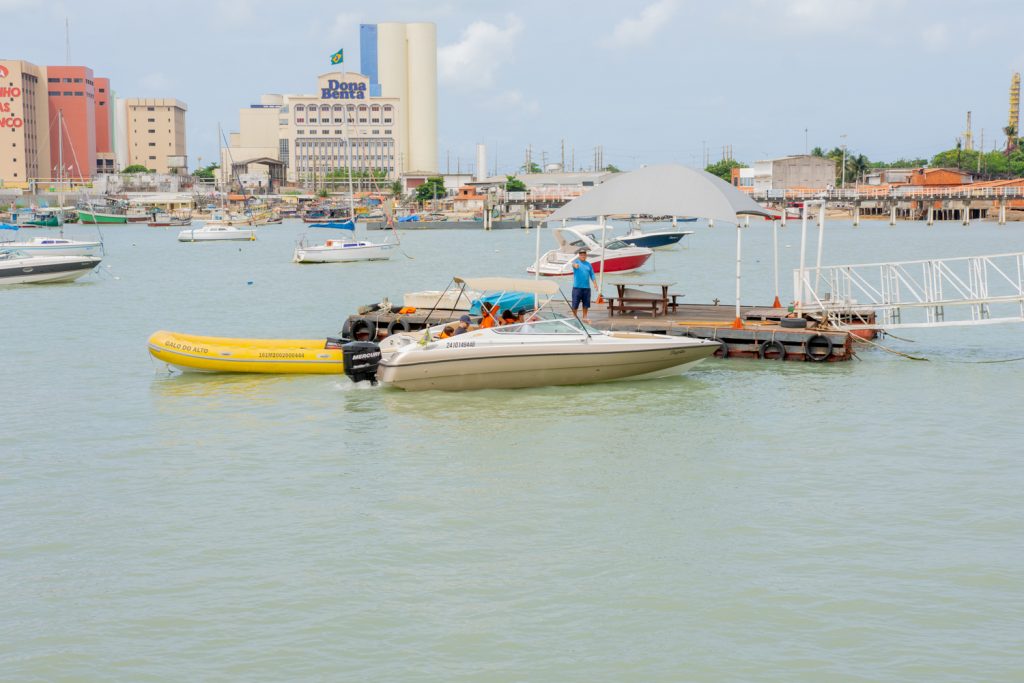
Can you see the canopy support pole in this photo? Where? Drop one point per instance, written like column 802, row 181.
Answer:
column 775, row 259
column 821, row 247
column 600, row 281
column 798, row 292
column 737, row 324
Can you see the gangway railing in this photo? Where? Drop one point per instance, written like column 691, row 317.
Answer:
column 972, row 290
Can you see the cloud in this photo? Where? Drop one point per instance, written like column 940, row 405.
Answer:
column 935, row 36
column 155, row 81
column 513, row 99
column 823, row 15
column 473, row 62
column 630, row 32
column 344, row 26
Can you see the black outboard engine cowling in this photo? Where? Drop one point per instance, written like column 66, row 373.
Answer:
column 361, row 359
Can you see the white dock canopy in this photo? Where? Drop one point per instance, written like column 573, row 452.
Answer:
column 508, row 284
column 663, row 190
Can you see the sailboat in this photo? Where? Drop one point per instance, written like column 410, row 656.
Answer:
column 56, row 246
column 347, row 248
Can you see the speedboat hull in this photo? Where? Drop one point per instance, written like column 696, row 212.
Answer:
column 460, row 364
column 194, row 353
column 33, row 269
column 54, row 246
column 216, row 234
column 656, row 240
column 346, row 253
column 556, row 263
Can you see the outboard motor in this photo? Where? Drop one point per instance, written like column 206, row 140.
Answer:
column 361, row 359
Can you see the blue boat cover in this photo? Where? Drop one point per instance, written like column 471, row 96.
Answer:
column 408, row 219
column 337, row 225
column 8, row 226
column 506, row 301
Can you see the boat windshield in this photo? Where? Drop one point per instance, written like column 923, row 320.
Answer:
column 555, row 326
column 7, row 254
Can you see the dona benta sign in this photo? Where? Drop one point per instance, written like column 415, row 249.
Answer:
column 343, row 90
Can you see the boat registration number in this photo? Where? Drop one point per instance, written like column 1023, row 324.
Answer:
column 459, row 344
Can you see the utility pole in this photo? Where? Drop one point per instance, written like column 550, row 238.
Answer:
column 572, row 159
column 543, row 161
column 448, row 162
column 563, row 155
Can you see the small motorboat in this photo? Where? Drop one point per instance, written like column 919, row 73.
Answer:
column 216, row 232
column 344, row 250
column 613, row 257
column 657, row 239
column 18, row 267
column 164, row 220
column 54, row 246
column 548, row 349
column 194, row 353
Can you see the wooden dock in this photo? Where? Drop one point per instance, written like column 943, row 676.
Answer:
column 761, row 337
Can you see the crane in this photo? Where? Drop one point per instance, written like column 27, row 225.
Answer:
column 1012, row 129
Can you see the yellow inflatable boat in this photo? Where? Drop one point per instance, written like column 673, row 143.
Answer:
column 189, row 352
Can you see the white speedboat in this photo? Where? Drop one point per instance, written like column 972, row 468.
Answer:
column 17, row 267
column 542, row 351
column 215, row 232
column 343, row 250
column 55, row 246
column 615, row 256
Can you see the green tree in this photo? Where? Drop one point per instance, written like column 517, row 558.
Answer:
column 817, row 152
column 513, row 184
column 723, row 169
column 433, row 188
column 612, row 168
column 323, row 193
column 136, row 168
column 534, row 167
column 396, row 188
column 206, row 172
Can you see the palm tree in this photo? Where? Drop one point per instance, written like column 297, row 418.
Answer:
column 1011, row 137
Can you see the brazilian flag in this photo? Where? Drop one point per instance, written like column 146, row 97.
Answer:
column 338, row 57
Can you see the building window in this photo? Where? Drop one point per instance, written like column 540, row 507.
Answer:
column 300, row 120
column 77, row 80
column 54, row 93
column 65, row 80
column 387, row 120
column 103, row 90
column 150, row 120
column 152, row 158
column 151, row 130
column 150, row 109
column 387, row 132
column 53, row 80
column 152, row 144
column 68, row 93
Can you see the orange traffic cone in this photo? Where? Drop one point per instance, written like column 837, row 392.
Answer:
column 777, row 304
column 737, row 324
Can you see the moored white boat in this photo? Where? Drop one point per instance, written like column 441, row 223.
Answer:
column 342, row 251
column 539, row 352
column 215, row 232
column 55, row 246
column 17, row 267
column 613, row 257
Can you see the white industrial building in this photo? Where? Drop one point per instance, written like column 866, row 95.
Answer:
column 796, row 171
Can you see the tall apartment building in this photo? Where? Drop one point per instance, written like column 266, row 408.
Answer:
column 155, row 134
column 71, row 90
column 105, row 162
column 24, row 137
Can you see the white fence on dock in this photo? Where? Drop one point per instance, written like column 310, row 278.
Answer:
column 904, row 192
column 972, row 290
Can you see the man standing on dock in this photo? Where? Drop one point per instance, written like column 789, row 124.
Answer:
column 582, row 276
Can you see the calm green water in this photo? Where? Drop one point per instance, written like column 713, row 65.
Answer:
column 748, row 521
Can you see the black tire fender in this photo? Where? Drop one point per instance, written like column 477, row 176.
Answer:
column 398, row 322
column 816, row 341
column 772, row 345
column 360, row 325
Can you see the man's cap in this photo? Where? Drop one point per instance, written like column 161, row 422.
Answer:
column 581, row 250
column 464, row 319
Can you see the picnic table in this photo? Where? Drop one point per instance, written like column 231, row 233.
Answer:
column 630, row 299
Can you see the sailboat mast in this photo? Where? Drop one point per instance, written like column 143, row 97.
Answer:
column 60, row 170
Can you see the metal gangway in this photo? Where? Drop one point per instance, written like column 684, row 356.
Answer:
column 971, row 290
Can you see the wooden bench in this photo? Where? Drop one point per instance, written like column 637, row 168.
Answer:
column 631, row 300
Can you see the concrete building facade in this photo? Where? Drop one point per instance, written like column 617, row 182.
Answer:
column 104, row 115
column 797, row 171
column 72, row 91
column 154, row 133
column 24, row 135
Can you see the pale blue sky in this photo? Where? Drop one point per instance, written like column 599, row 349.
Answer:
column 651, row 80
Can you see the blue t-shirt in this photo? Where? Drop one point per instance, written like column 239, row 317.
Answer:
column 582, row 276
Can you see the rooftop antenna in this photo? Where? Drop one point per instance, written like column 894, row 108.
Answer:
column 67, row 41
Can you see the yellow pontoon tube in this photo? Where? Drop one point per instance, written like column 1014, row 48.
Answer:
column 194, row 353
